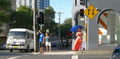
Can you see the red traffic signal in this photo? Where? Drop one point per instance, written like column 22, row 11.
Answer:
column 81, row 12
column 40, row 17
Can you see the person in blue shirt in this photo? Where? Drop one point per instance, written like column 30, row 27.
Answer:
column 41, row 40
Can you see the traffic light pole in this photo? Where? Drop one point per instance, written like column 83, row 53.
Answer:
column 40, row 27
column 34, row 26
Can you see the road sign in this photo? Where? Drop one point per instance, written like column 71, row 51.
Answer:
column 91, row 11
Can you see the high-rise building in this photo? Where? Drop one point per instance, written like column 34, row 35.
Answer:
column 42, row 4
column 24, row 2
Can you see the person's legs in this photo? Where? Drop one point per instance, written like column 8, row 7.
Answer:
column 40, row 47
column 50, row 48
column 47, row 47
column 47, row 44
column 40, row 50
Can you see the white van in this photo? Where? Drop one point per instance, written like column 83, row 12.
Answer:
column 20, row 39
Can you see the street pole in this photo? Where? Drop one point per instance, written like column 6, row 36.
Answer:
column 59, row 26
column 34, row 26
column 40, row 27
column 86, row 18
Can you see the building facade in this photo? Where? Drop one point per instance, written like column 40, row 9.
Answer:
column 24, row 2
column 103, row 28
column 42, row 4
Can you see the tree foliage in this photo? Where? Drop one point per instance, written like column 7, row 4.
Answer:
column 49, row 13
column 22, row 18
column 65, row 27
column 49, row 22
column 5, row 11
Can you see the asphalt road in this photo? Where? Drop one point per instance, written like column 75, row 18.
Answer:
column 5, row 54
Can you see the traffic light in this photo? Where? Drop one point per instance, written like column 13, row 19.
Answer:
column 81, row 12
column 40, row 18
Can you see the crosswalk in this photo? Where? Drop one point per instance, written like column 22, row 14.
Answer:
column 91, row 56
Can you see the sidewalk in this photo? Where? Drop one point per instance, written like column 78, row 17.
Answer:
column 67, row 51
column 70, row 52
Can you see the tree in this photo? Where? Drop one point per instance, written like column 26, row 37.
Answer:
column 23, row 18
column 5, row 11
column 49, row 22
column 65, row 27
column 49, row 13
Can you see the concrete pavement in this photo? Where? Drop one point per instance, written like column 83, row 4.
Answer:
column 70, row 52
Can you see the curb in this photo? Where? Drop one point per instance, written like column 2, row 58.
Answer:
column 76, row 52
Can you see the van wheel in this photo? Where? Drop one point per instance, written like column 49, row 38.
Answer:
column 11, row 50
column 26, row 50
column 32, row 50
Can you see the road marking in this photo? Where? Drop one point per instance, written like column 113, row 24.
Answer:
column 14, row 57
column 25, row 55
column 59, row 53
column 95, row 57
column 36, row 53
column 74, row 57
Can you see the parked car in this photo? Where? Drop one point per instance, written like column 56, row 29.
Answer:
column 3, row 46
column 116, row 53
column 53, row 45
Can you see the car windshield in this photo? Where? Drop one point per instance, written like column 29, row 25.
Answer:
column 17, row 35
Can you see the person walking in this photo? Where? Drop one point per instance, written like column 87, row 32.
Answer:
column 48, row 42
column 41, row 40
column 78, row 41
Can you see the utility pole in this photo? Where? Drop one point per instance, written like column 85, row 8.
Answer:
column 59, row 26
column 34, row 26
column 86, row 18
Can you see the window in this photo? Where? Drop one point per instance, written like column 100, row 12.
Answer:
column 75, row 2
column 37, row 3
column 17, row 35
column 28, row 36
column 38, row 0
column 38, row 7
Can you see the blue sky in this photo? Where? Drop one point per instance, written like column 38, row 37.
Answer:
column 64, row 6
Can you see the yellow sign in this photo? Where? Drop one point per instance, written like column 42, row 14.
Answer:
column 91, row 11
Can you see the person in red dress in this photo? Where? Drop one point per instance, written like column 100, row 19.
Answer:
column 78, row 41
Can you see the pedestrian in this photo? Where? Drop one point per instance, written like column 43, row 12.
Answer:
column 48, row 42
column 78, row 41
column 41, row 40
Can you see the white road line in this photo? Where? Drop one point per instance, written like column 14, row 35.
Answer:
column 95, row 57
column 59, row 53
column 25, row 55
column 74, row 57
column 14, row 57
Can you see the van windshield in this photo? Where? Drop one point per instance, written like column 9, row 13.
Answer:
column 17, row 35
